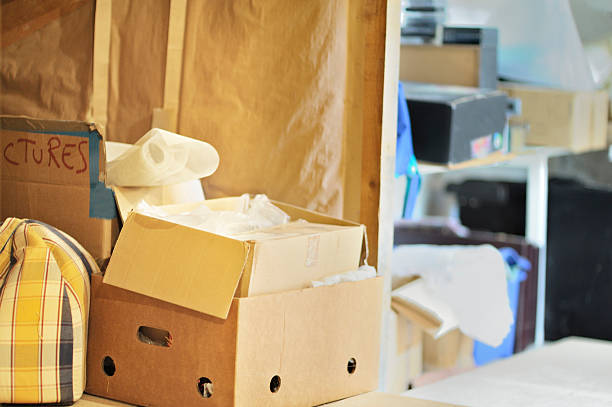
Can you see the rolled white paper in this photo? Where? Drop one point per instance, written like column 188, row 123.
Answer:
column 161, row 157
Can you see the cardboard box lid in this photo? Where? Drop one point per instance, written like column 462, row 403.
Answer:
column 201, row 270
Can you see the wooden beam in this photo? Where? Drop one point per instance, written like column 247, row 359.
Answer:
column 375, row 16
column 98, row 111
column 167, row 117
column 381, row 76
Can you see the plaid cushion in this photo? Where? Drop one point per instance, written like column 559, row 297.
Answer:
column 44, row 305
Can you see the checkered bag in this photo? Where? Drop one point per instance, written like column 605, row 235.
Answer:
column 44, row 306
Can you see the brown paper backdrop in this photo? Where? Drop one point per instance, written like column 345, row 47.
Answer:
column 46, row 72
column 264, row 82
column 137, row 62
column 274, row 85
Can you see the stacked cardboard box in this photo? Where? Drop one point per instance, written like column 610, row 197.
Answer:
column 574, row 120
column 53, row 171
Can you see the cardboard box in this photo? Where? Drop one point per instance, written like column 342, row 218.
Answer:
column 452, row 124
column 363, row 400
column 53, row 171
column 405, row 353
column 202, row 271
column 453, row 350
column 449, row 64
column 419, row 319
column 296, row 348
column 574, row 120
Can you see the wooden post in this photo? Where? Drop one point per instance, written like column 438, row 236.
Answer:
column 98, row 111
column 167, row 117
column 381, row 75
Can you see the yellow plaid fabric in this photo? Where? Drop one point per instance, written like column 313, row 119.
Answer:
column 44, row 306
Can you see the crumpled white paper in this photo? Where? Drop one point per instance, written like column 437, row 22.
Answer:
column 259, row 213
column 471, row 280
column 362, row 273
column 161, row 157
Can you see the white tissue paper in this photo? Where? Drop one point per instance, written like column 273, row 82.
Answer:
column 471, row 280
column 420, row 296
column 259, row 213
column 161, row 158
column 362, row 273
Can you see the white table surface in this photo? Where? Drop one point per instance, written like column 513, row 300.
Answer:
column 569, row 372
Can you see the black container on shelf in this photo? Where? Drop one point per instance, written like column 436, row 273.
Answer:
column 493, row 206
column 579, row 247
column 579, row 262
column 452, row 124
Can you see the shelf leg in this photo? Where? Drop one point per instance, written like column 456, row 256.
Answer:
column 536, row 230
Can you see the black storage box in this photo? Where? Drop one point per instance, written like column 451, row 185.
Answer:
column 451, row 124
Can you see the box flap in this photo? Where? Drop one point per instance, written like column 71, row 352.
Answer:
column 415, row 302
column 299, row 213
column 296, row 212
column 145, row 261
column 128, row 198
column 309, row 252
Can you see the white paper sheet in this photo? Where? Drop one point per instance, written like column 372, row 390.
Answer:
column 471, row 280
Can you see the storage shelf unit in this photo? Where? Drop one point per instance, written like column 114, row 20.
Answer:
column 535, row 161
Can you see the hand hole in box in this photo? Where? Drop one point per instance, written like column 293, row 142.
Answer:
column 275, row 384
column 154, row 336
column 205, row 387
column 351, row 366
column 108, row 365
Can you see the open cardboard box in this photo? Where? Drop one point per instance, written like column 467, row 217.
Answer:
column 203, row 271
column 295, row 348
